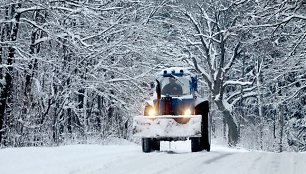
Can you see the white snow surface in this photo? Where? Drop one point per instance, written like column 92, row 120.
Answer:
column 127, row 158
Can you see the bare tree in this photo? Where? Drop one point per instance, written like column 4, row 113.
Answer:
column 214, row 46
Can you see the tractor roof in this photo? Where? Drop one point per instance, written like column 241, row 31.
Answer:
column 176, row 71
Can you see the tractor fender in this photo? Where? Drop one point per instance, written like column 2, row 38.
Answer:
column 199, row 100
column 202, row 108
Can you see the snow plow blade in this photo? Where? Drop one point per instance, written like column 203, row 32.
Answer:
column 167, row 126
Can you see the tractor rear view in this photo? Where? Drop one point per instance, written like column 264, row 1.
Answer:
column 175, row 113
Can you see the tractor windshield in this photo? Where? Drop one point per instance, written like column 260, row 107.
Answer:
column 175, row 86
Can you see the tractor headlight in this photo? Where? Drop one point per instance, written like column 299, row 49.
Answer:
column 152, row 113
column 187, row 113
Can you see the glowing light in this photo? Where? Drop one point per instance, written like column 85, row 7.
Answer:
column 152, row 113
column 187, row 112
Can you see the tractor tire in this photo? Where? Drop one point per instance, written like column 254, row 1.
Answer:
column 207, row 148
column 155, row 144
column 149, row 144
column 196, row 144
column 205, row 128
column 146, row 145
column 203, row 109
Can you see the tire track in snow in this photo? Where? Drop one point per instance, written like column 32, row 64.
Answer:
column 192, row 158
column 275, row 163
column 192, row 164
column 256, row 164
column 217, row 158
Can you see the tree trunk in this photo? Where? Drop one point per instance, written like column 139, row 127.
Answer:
column 224, row 128
column 260, row 105
column 7, row 89
column 232, row 126
column 281, row 131
column 241, row 109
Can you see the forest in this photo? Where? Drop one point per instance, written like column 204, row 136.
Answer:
column 77, row 71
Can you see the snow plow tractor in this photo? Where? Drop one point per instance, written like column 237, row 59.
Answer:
column 175, row 113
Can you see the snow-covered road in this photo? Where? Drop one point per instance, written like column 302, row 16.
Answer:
column 128, row 159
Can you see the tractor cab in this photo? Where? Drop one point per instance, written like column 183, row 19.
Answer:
column 175, row 92
column 176, row 82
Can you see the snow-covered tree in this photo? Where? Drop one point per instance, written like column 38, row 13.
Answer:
column 215, row 44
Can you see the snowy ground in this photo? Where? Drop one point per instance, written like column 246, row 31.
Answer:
column 128, row 159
